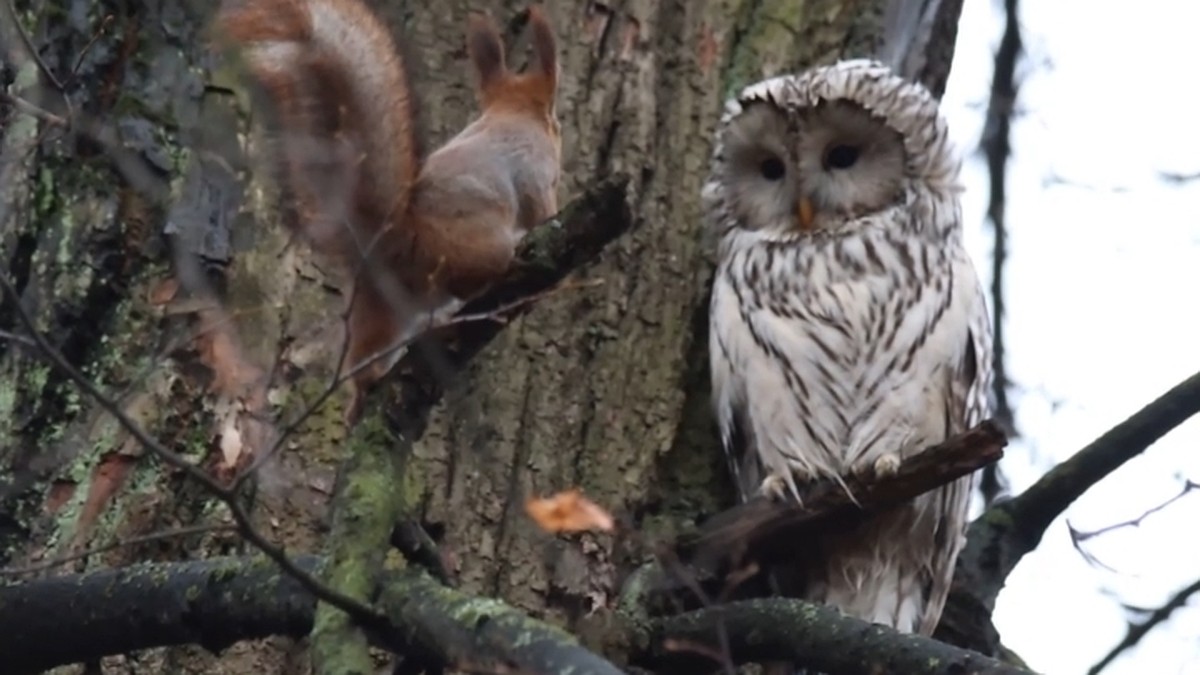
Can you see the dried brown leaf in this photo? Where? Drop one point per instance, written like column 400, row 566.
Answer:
column 568, row 511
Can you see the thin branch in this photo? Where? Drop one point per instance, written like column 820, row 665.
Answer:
column 996, row 146
column 32, row 109
column 1177, row 177
column 18, row 339
column 1079, row 536
column 228, row 497
column 104, row 23
column 136, row 171
column 131, row 541
column 1139, row 630
column 29, row 50
column 815, row 636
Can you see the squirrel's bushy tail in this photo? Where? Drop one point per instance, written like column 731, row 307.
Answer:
column 429, row 235
column 343, row 118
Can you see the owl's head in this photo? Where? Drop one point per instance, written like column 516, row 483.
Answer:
column 821, row 151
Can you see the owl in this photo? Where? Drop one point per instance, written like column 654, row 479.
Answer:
column 848, row 329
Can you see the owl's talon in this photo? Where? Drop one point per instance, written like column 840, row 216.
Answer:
column 774, row 486
column 887, row 465
column 884, row 466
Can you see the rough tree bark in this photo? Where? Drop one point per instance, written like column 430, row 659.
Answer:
column 602, row 387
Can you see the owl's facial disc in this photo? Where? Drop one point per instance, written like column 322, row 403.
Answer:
column 850, row 162
column 838, row 156
column 760, row 177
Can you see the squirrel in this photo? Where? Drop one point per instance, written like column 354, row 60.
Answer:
column 421, row 237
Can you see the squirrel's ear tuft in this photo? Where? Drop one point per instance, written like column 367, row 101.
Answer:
column 545, row 47
column 486, row 50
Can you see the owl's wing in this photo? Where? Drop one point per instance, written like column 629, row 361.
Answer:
column 969, row 403
column 971, row 386
column 729, row 401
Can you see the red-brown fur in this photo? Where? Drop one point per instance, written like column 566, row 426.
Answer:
column 414, row 230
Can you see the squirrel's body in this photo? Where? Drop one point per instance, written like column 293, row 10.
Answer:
column 421, row 237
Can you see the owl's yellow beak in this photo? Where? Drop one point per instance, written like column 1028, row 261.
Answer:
column 805, row 214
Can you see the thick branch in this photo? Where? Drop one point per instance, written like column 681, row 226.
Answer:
column 213, row 603
column 366, row 506
column 918, row 40
column 999, row 538
column 487, row 634
column 548, row 254
column 818, row 637
column 217, row 602
column 763, row 529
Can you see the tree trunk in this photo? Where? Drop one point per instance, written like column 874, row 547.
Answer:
column 123, row 223
column 606, row 388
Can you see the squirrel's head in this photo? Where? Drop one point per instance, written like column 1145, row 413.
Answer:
column 529, row 93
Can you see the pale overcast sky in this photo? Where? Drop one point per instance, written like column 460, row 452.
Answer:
column 1100, row 283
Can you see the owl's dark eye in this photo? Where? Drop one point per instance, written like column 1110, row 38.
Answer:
column 841, row 156
column 772, row 168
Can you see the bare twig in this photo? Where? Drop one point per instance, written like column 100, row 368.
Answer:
column 1176, row 177
column 129, row 164
column 724, row 652
column 28, row 49
column 500, row 315
column 503, row 313
column 1139, row 630
column 32, row 109
column 230, row 498
column 131, row 541
column 104, row 22
column 1079, row 536
column 18, row 339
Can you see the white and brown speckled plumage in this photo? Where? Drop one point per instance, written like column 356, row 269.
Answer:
column 859, row 337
